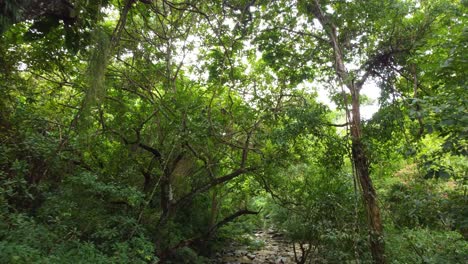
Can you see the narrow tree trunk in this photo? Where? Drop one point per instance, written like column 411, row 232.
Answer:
column 361, row 166
column 359, row 156
column 417, row 105
column 214, row 207
column 165, row 194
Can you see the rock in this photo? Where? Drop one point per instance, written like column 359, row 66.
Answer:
column 240, row 252
column 275, row 250
column 250, row 256
column 245, row 260
column 271, row 232
column 281, row 260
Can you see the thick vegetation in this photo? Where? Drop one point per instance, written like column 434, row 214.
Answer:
column 146, row 131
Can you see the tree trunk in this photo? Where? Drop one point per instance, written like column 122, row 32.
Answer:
column 361, row 167
column 214, row 207
column 165, row 186
column 359, row 156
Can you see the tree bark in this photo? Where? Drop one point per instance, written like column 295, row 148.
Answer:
column 361, row 167
column 359, row 156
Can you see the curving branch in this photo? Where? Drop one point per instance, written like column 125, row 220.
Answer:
column 217, row 181
column 198, row 239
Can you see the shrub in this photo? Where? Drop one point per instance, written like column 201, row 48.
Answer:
column 422, row 245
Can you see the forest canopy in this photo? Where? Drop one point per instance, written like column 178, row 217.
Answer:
column 155, row 131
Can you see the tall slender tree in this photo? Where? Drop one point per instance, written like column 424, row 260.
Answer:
column 359, row 157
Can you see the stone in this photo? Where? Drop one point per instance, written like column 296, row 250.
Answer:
column 240, row 252
column 277, row 235
column 271, row 232
column 250, row 256
column 276, row 250
column 245, row 260
column 281, row 260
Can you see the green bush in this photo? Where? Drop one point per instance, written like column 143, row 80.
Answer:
column 425, row 203
column 422, row 245
column 413, row 205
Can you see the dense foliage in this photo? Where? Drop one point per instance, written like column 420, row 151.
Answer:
column 146, row 131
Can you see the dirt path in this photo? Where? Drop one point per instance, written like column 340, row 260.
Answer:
column 275, row 250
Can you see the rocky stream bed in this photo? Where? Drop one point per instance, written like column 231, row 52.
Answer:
column 275, row 249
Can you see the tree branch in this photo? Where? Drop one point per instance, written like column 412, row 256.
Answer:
column 211, row 184
column 213, row 229
column 337, row 125
column 301, row 33
column 152, row 150
column 230, row 218
column 330, row 29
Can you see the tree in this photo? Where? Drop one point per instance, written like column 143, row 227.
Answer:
column 341, row 54
column 359, row 156
column 353, row 41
